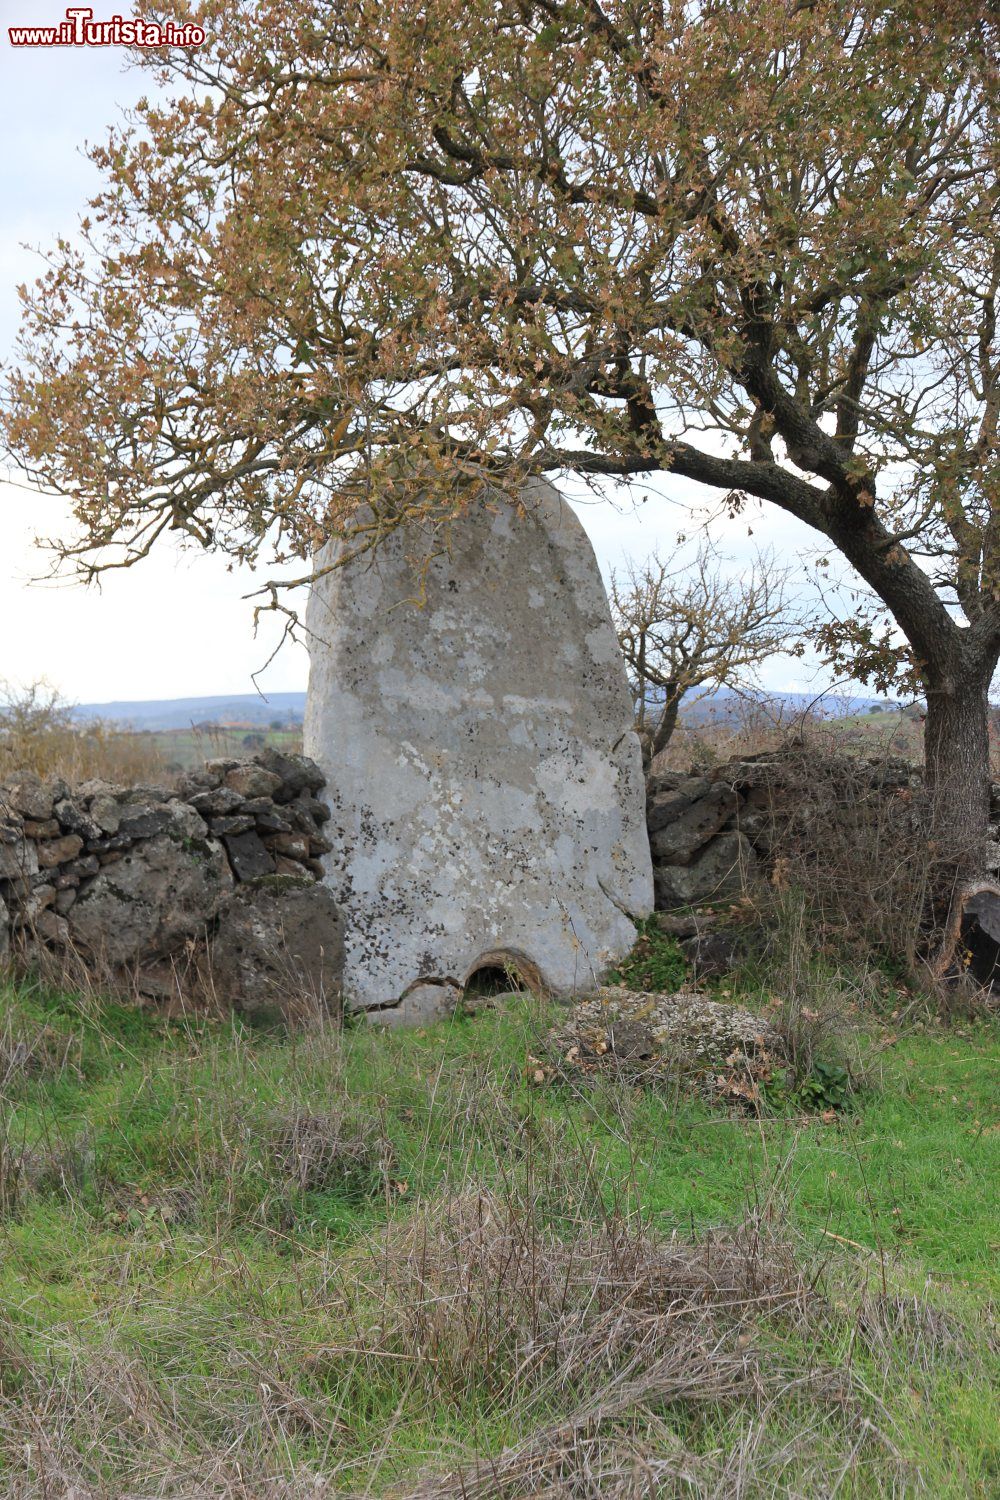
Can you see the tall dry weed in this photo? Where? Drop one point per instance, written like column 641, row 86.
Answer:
column 38, row 733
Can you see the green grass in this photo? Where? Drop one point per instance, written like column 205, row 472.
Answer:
column 197, row 1288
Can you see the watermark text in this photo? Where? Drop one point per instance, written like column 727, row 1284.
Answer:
column 81, row 30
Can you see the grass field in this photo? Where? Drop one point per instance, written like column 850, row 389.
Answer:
column 187, row 748
column 251, row 1264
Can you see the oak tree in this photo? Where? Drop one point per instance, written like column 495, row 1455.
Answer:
column 351, row 246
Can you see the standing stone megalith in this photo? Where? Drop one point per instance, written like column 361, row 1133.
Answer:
column 469, row 705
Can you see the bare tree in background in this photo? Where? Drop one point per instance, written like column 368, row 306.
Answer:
column 683, row 628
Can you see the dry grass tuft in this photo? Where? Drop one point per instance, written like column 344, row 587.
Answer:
column 330, row 1152
column 620, row 1330
column 480, row 1284
column 41, row 1050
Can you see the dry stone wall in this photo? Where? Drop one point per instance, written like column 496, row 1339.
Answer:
column 713, row 833
column 211, row 883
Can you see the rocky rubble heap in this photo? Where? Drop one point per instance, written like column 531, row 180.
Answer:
column 648, row 1036
column 216, row 877
column 711, row 833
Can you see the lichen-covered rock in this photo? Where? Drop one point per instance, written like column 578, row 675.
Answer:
column 667, row 803
column 151, row 901
column 472, row 712
column 279, row 949
column 106, row 813
column 18, row 858
column 297, row 774
column 252, row 781
column 723, row 868
column 71, row 817
column 677, row 839
column 26, row 793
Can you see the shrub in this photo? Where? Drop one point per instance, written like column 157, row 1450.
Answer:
column 853, row 839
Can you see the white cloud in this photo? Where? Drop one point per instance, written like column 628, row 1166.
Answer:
column 175, row 625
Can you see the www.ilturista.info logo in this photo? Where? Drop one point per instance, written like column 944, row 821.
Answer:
column 80, row 30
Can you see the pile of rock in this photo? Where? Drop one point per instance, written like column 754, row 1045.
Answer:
column 648, row 1037
column 159, row 880
column 265, row 812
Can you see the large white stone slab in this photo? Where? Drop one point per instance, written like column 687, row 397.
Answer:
column 485, row 782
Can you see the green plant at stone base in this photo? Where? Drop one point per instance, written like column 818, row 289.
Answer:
column 827, row 1086
column 656, row 962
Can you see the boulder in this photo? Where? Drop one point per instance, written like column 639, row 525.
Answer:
column 758, row 823
column 470, row 708
column 295, row 773
column 143, row 820
column 269, row 820
column 279, row 949
column 666, row 805
column 72, row 818
column 723, row 868
column 216, row 802
column 47, row 829
column 678, row 841
column 252, row 781
column 106, row 813
column 33, row 902
column 184, row 823
column 291, row 845
column 156, row 897
column 247, row 856
column 59, row 851
column 231, row 825
column 146, row 794
column 312, row 808
column 200, row 780
column 27, row 794
column 18, row 860
column 51, row 928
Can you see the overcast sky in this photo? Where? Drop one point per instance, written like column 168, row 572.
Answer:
column 179, row 624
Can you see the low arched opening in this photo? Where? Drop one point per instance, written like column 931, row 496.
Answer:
column 502, row 971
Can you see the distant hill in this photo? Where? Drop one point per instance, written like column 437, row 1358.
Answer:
column 251, row 710
column 180, row 713
column 725, row 705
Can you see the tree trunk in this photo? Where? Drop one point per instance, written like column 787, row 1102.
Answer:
column 668, row 719
column 957, row 768
column 964, row 895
